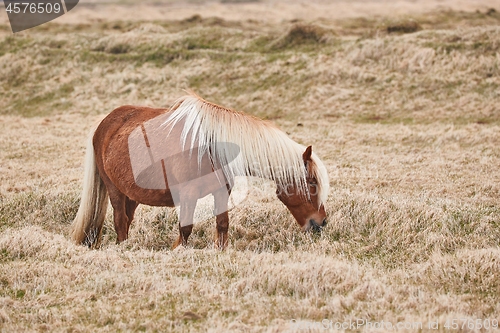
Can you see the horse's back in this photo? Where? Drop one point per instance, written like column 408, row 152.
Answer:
column 124, row 118
column 118, row 125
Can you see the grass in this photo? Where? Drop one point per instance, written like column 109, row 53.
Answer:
column 301, row 56
column 406, row 122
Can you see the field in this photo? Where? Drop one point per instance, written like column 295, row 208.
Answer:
column 399, row 99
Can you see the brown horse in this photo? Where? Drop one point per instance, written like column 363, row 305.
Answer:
column 173, row 157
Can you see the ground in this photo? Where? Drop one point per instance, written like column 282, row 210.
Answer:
column 398, row 98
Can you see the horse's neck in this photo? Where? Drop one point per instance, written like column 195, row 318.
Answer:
column 260, row 172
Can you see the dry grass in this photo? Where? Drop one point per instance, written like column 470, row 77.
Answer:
column 407, row 124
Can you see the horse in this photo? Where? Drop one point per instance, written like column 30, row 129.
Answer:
column 174, row 156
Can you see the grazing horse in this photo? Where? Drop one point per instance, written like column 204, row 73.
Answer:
column 173, row 157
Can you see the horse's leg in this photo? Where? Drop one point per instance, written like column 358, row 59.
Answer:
column 221, row 198
column 120, row 218
column 130, row 206
column 186, row 215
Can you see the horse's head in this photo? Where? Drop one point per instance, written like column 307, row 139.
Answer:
column 307, row 208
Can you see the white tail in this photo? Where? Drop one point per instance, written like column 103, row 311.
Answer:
column 87, row 226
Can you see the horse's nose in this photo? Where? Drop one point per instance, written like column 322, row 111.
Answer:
column 315, row 227
column 324, row 222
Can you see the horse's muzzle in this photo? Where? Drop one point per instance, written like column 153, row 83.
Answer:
column 315, row 227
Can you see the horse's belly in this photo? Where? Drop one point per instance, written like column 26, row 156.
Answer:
column 155, row 198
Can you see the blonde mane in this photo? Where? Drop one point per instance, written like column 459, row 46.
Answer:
column 265, row 151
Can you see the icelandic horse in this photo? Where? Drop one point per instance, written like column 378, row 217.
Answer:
column 173, row 157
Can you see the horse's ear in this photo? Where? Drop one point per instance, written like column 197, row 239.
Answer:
column 307, row 154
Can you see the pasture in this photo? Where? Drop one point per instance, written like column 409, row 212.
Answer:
column 400, row 104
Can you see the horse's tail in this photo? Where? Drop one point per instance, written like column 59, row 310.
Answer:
column 87, row 226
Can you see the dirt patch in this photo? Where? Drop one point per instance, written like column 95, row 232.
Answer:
column 404, row 27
